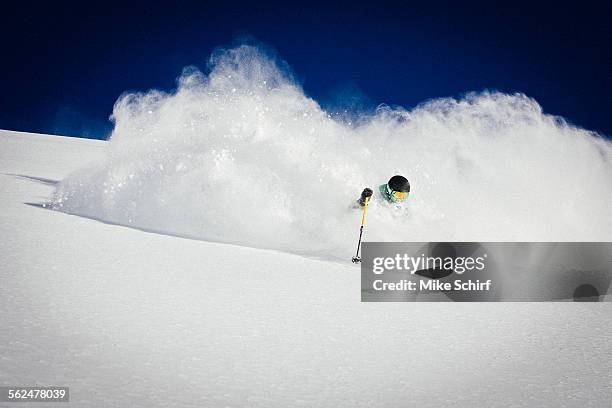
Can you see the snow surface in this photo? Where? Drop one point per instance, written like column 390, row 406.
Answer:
column 128, row 318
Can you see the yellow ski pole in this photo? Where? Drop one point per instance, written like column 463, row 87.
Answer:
column 357, row 258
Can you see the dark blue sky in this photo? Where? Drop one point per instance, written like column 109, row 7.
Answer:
column 64, row 65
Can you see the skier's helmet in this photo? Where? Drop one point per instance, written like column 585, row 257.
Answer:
column 398, row 188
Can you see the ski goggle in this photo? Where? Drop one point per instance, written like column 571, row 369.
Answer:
column 399, row 195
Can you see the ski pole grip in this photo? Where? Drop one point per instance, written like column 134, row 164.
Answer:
column 365, row 208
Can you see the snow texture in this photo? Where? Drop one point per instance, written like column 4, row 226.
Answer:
column 128, row 318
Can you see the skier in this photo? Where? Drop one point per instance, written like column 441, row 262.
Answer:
column 395, row 191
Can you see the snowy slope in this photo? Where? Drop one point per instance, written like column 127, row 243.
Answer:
column 130, row 318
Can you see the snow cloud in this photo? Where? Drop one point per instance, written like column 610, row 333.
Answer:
column 242, row 155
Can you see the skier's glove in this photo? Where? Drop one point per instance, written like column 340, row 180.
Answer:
column 367, row 192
